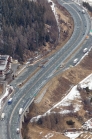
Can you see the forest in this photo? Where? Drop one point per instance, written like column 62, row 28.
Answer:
column 23, row 27
column 86, row 4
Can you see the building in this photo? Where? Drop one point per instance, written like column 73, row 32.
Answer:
column 5, row 65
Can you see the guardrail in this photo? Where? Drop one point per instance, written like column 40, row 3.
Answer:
column 22, row 116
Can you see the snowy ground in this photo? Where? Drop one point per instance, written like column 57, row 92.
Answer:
column 67, row 100
column 69, row 97
column 88, row 124
column 8, row 87
column 54, row 11
column 80, row 1
column 87, row 82
column 72, row 135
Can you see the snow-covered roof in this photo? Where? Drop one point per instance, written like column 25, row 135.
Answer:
column 5, row 94
column 3, row 61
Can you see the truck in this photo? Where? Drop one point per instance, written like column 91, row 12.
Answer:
column 85, row 50
column 17, row 130
column 2, row 116
column 9, row 101
column 20, row 111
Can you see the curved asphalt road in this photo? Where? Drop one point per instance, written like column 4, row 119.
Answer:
column 24, row 94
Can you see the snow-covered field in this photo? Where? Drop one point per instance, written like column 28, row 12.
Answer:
column 67, row 101
column 72, row 135
column 55, row 13
column 8, row 87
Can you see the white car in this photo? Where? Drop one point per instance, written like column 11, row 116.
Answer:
column 75, row 61
column 85, row 50
column 17, row 131
column 2, row 116
column 20, row 111
column 83, row 11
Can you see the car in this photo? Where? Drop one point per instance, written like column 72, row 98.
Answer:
column 10, row 101
column 83, row 11
column 85, row 50
column 17, row 131
column 20, row 111
column 2, row 116
column 75, row 61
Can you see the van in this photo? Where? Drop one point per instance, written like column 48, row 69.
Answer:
column 20, row 111
column 75, row 61
column 85, row 50
column 9, row 101
column 2, row 116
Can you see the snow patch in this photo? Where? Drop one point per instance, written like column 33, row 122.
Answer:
column 5, row 94
column 72, row 135
column 87, row 82
column 54, row 11
column 48, row 136
column 67, row 100
column 88, row 124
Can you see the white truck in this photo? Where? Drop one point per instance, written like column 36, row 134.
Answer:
column 2, row 116
column 20, row 111
column 85, row 50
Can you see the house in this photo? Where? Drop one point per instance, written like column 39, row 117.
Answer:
column 5, row 65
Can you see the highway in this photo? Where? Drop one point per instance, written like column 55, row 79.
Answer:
column 79, row 53
column 24, row 95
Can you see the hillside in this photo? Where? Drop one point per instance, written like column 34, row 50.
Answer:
column 66, row 24
column 48, row 121
column 54, row 121
column 27, row 26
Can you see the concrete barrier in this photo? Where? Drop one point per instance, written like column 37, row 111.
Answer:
column 24, row 115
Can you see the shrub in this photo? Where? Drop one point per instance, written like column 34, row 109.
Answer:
column 70, row 122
